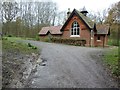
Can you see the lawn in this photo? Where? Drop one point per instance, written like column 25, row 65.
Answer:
column 9, row 43
column 111, row 60
column 21, row 38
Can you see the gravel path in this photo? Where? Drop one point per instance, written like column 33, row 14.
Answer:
column 67, row 66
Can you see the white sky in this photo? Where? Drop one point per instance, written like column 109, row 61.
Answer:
column 91, row 5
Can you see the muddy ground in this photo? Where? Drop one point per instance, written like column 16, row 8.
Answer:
column 16, row 68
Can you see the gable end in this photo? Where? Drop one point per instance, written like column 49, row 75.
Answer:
column 75, row 12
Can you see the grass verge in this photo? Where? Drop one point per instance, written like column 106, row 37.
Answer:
column 17, row 58
column 11, row 44
column 111, row 60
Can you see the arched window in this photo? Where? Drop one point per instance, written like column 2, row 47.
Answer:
column 75, row 29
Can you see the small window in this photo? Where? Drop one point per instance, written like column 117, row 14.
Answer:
column 98, row 38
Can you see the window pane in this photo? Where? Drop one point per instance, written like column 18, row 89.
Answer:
column 75, row 28
column 77, row 25
column 77, row 31
column 74, row 31
column 98, row 38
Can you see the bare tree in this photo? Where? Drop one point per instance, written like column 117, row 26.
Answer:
column 113, row 13
column 92, row 15
column 1, row 19
column 61, row 18
column 26, row 16
column 101, row 16
column 10, row 10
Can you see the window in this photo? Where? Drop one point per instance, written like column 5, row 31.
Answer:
column 75, row 29
column 98, row 38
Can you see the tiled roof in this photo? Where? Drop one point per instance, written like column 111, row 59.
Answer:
column 87, row 20
column 51, row 29
column 102, row 29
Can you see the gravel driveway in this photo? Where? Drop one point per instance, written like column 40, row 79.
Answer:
column 66, row 66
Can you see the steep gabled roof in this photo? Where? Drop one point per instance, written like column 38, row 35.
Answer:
column 86, row 20
column 103, row 29
column 51, row 29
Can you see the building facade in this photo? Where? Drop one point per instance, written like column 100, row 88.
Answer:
column 79, row 26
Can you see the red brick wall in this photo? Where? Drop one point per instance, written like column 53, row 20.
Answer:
column 100, row 42
column 84, row 30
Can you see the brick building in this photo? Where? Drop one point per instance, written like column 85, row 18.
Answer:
column 78, row 25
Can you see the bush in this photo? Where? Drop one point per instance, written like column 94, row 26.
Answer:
column 4, row 38
column 29, row 45
column 71, row 41
column 33, row 47
column 46, row 40
column 9, row 35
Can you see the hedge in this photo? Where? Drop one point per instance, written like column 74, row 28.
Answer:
column 71, row 41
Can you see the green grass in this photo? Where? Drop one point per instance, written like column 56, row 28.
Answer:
column 14, row 39
column 111, row 60
column 10, row 43
column 18, row 38
column 113, row 42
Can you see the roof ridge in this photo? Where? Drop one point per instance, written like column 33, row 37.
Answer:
column 84, row 18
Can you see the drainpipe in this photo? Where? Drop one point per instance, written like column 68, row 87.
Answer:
column 91, row 39
column 103, row 41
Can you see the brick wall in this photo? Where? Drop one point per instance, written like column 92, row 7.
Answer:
column 84, row 30
column 100, row 42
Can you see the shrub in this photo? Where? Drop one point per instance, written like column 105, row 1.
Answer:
column 47, row 40
column 9, row 35
column 71, row 41
column 29, row 45
column 33, row 47
column 4, row 38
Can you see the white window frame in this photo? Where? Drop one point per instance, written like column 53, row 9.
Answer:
column 75, row 28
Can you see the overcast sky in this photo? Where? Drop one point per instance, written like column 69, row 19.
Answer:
column 91, row 5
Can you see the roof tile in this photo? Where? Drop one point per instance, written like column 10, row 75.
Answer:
column 51, row 29
column 102, row 28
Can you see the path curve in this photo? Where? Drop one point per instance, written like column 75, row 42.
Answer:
column 68, row 66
